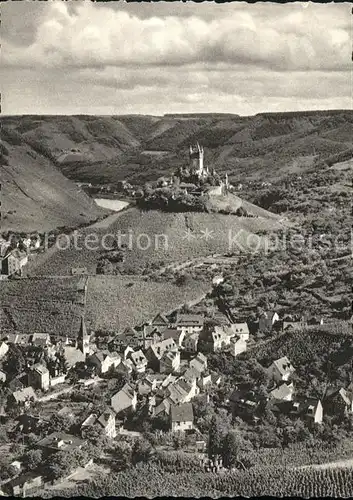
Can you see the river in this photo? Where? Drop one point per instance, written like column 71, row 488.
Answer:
column 115, row 205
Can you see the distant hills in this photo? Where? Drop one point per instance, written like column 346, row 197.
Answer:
column 139, row 148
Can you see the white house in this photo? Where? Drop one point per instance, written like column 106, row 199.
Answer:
column 181, row 417
column 241, row 330
column 3, row 349
column 125, row 399
column 237, row 346
column 281, row 369
column 189, row 323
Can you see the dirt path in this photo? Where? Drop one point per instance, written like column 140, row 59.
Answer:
column 339, row 464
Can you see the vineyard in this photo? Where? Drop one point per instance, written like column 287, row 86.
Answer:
column 150, row 481
column 301, row 347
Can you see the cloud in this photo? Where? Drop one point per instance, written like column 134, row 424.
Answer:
column 84, row 57
column 93, row 36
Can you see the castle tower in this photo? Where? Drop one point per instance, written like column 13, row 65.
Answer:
column 196, row 160
column 83, row 338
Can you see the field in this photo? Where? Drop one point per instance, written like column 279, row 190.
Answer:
column 111, row 303
column 278, row 482
column 45, row 305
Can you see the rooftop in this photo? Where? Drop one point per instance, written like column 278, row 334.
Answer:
column 182, row 413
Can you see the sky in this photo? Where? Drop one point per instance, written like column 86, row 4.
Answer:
column 81, row 57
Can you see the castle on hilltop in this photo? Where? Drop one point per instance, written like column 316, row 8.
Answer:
column 196, row 179
column 197, row 169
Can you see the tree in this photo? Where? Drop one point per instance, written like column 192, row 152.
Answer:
column 219, row 427
column 33, row 459
column 15, row 362
column 232, row 445
column 141, row 451
column 95, row 435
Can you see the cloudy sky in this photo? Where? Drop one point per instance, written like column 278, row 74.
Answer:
column 168, row 57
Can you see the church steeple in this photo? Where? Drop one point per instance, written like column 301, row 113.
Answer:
column 83, row 338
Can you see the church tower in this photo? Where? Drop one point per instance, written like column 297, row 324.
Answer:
column 196, row 160
column 83, row 338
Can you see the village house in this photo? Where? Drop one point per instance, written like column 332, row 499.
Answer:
column 125, row 367
column 237, row 346
column 183, row 391
column 169, row 362
column 189, row 323
column 38, row 377
column 18, row 338
column 147, row 385
column 23, row 397
column 139, row 361
column 3, row 376
column 241, row 330
column 199, row 362
column 216, row 280
column 281, row 369
column 214, row 337
column 204, row 381
column 267, row 320
column 104, row 361
column 13, row 262
column 124, row 400
column 25, row 485
column 283, row 392
column 59, row 441
column 160, row 322
column 162, row 408
column 106, row 421
column 190, row 343
column 175, row 334
column 338, row 401
column 40, row 339
column 309, row 409
column 181, row 417
column 246, row 404
column 155, row 352
column 35, row 242
column 291, row 325
column 151, row 335
column 3, row 349
column 18, row 383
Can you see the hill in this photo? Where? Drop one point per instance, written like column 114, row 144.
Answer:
column 139, row 148
column 35, row 195
column 155, row 238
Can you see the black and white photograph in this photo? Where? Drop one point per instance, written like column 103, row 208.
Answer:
column 175, row 249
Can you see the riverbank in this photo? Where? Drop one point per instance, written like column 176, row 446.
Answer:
column 110, row 204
